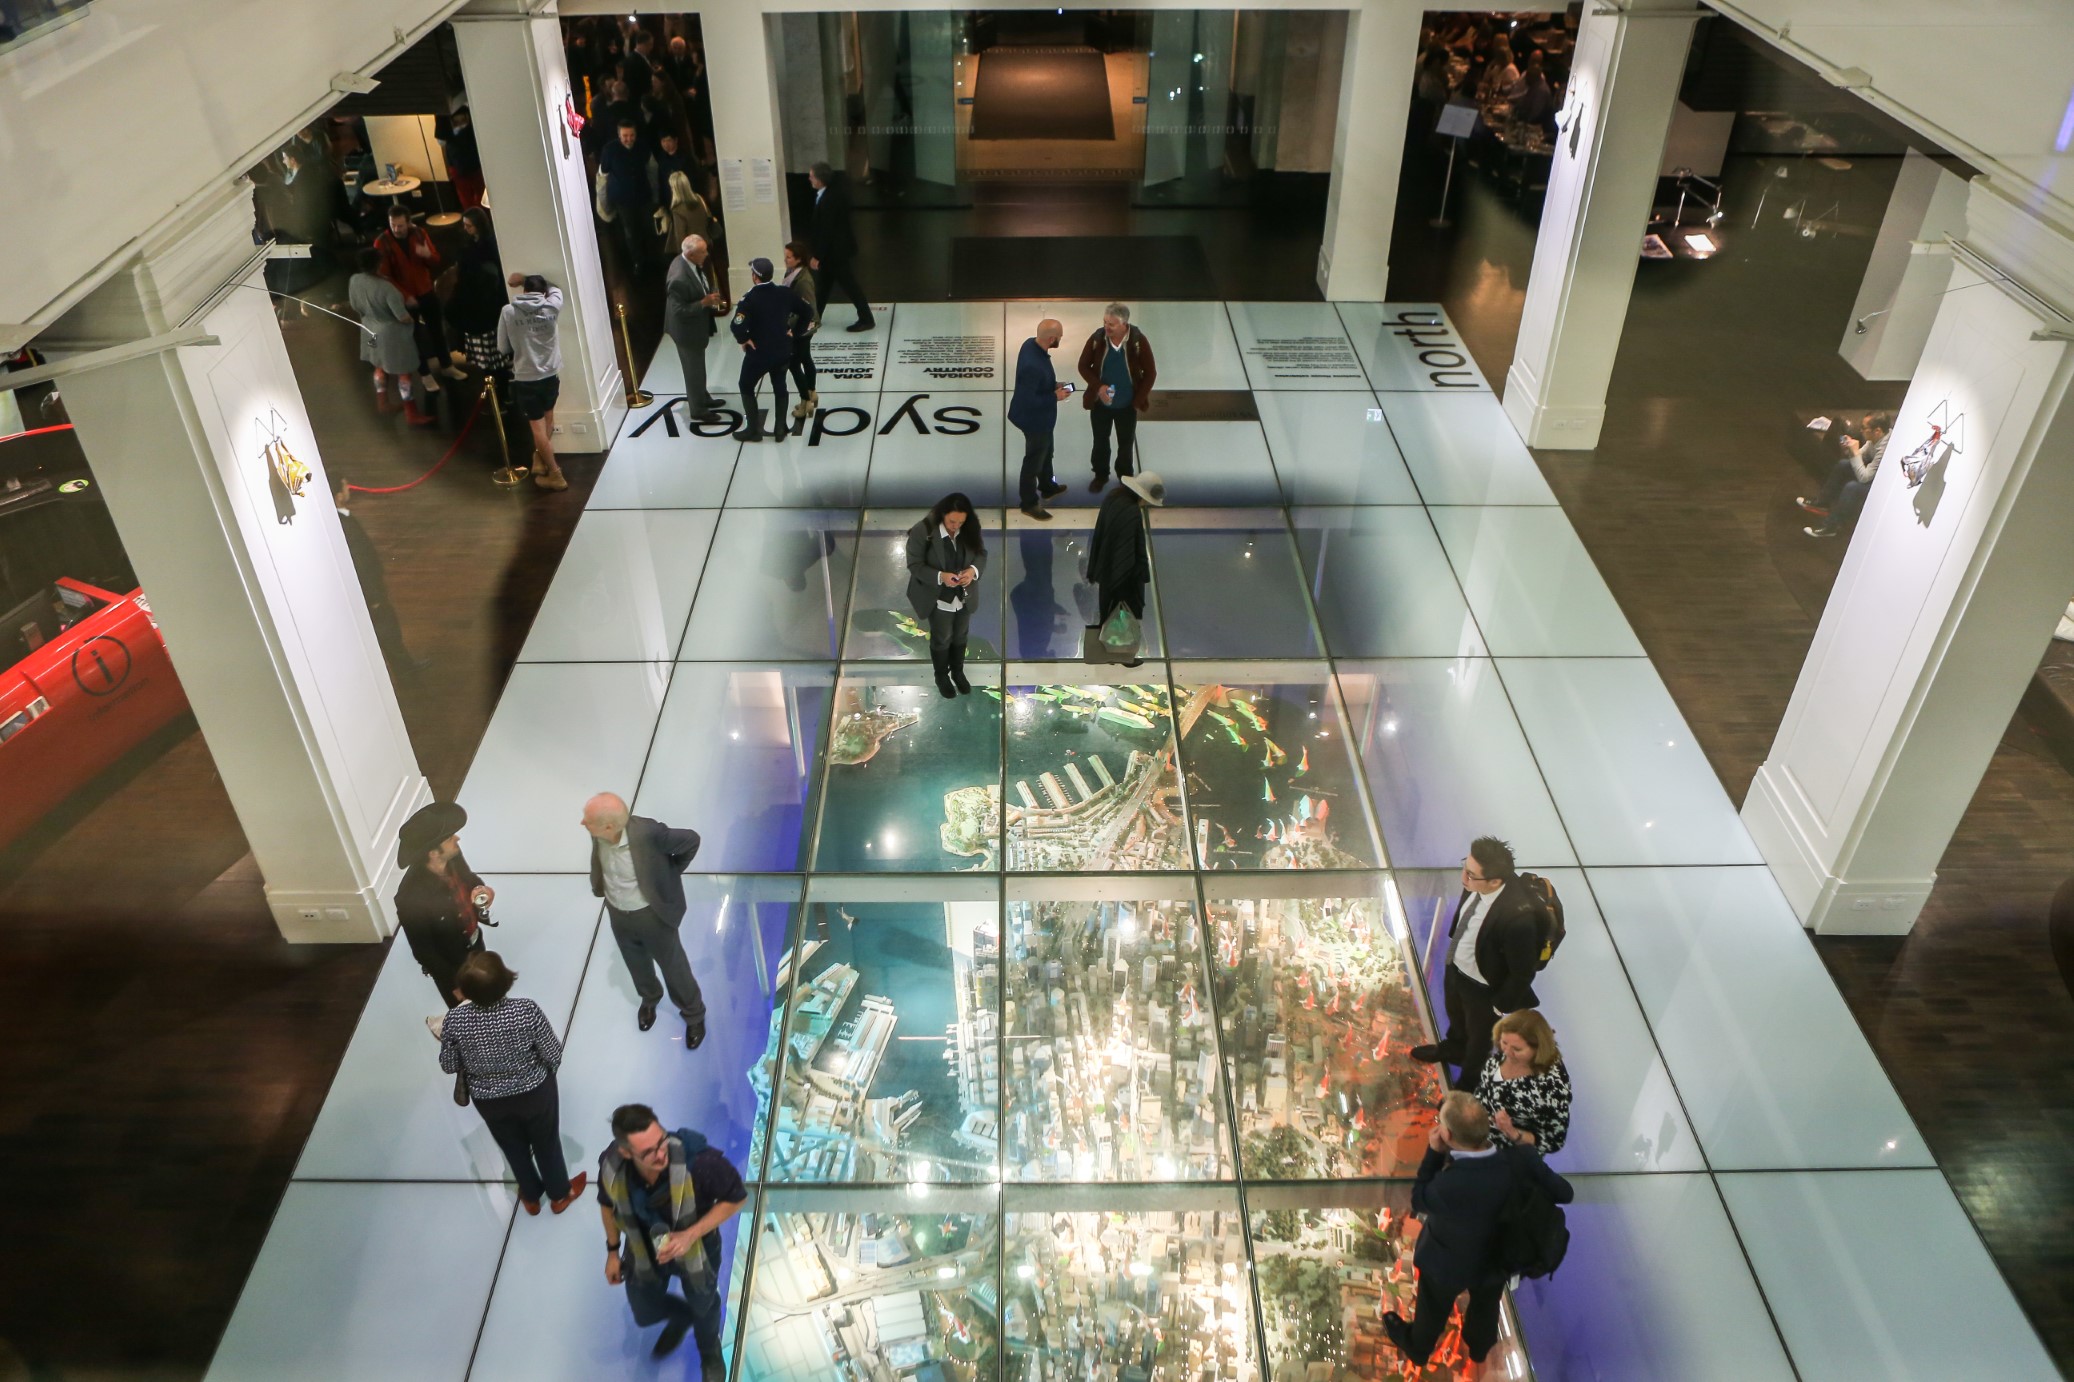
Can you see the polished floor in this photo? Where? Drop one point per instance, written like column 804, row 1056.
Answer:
column 1754, row 1200
column 1686, row 508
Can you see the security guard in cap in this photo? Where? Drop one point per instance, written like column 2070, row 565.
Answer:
column 766, row 319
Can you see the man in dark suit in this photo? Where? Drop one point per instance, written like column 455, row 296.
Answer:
column 766, row 320
column 1034, row 409
column 835, row 245
column 693, row 301
column 1494, row 947
column 1463, row 1184
column 636, row 865
column 629, row 193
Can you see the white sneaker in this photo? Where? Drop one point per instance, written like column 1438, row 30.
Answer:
column 436, row 1024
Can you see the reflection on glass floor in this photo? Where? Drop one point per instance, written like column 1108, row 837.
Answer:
column 1111, row 1058
column 908, row 1290
column 1092, row 782
column 913, row 779
column 886, row 1045
column 1270, row 781
column 1329, row 1271
column 1079, row 1048
column 1319, row 1014
column 1127, row 1291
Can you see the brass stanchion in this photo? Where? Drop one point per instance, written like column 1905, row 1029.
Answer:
column 505, row 475
column 637, row 397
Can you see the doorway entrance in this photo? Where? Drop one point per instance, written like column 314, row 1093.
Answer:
column 1154, row 154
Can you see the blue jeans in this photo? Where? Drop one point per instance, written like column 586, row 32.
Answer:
column 699, row 1306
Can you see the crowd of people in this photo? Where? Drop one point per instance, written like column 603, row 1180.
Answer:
column 1509, row 1108
column 662, row 1194
column 1513, row 69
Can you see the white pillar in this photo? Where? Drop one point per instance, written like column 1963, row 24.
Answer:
column 1381, row 59
column 254, row 592
column 1909, row 268
column 743, row 77
column 1946, row 599
column 1623, row 84
column 541, row 200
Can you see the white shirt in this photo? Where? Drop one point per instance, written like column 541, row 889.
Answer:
column 616, row 867
column 949, row 599
column 1465, row 948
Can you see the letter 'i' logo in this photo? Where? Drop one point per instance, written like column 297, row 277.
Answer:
column 101, row 665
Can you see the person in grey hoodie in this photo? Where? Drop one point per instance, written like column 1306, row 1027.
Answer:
column 526, row 333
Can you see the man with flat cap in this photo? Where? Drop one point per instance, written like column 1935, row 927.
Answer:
column 766, row 320
column 441, row 902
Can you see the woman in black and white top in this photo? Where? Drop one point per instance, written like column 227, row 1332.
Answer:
column 508, row 1053
column 1525, row 1084
column 945, row 556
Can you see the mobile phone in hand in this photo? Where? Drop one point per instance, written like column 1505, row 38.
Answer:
column 1070, row 387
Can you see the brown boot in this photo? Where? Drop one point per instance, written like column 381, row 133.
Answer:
column 416, row 416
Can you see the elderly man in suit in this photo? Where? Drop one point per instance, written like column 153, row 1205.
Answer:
column 1462, row 1188
column 1493, row 953
column 635, row 867
column 693, row 302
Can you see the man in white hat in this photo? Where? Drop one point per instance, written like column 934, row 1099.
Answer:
column 1117, row 560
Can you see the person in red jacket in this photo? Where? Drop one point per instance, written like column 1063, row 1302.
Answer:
column 411, row 261
column 1116, row 365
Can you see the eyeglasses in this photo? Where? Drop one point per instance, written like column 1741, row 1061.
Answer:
column 1473, row 877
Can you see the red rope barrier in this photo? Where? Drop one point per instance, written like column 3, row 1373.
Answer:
column 35, row 431
column 459, row 437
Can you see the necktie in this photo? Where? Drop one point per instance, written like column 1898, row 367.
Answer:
column 1462, row 925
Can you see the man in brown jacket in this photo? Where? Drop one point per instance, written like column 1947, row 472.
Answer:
column 1116, row 365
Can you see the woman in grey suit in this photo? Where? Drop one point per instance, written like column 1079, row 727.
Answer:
column 945, row 556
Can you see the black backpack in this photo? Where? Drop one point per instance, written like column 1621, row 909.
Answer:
column 1550, row 908
column 1532, row 1235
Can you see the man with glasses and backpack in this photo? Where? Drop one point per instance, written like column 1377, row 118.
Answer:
column 1506, row 926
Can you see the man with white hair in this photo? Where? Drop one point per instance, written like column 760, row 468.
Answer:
column 635, row 867
column 1464, row 1186
column 693, row 302
column 1117, row 368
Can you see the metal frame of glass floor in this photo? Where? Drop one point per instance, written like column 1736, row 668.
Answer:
column 1065, row 1023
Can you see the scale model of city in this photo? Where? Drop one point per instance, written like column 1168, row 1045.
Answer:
column 1089, row 1055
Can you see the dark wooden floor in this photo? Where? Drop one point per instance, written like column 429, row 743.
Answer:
column 166, row 1052
column 1687, row 508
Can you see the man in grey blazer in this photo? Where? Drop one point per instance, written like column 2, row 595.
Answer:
column 694, row 300
column 635, row 867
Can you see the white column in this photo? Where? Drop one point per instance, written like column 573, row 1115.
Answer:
column 541, row 201
column 1909, row 268
column 1946, row 599
column 1623, row 84
column 743, row 76
column 1381, row 58
column 254, row 592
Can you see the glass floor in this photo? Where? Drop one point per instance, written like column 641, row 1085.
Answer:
column 1062, row 1030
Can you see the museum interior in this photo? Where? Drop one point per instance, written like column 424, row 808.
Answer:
column 1639, row 431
